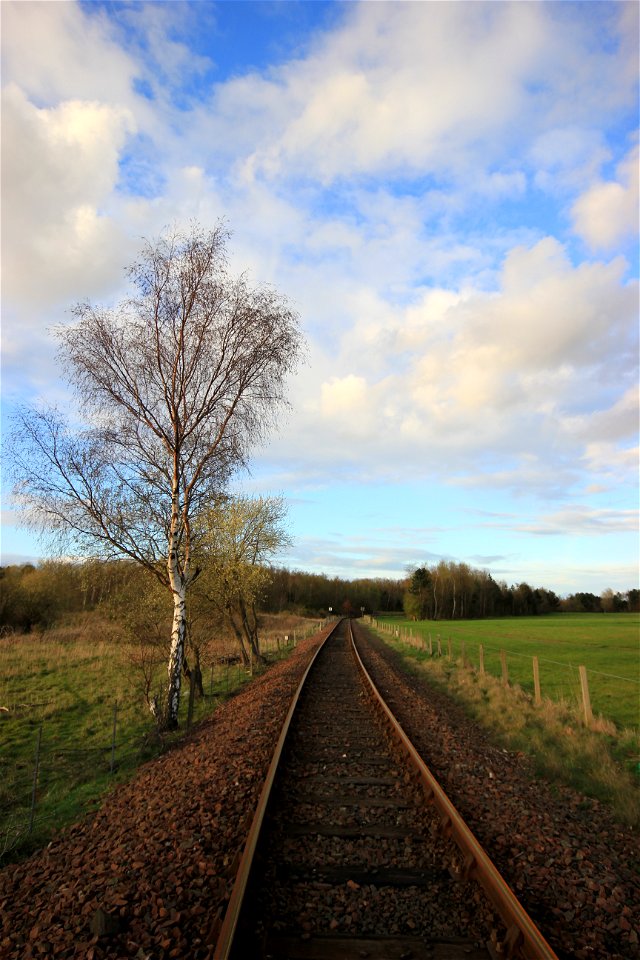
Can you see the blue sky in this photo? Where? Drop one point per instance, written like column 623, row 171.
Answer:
column 449, row 194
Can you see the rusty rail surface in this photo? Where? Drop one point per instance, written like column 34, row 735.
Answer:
column 523, row 937
column 523, row 940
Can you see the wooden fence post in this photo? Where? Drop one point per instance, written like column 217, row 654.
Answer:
column 536, row 683
column 192, row 694
column 481, row 653
column 505, row 672
column 586, row 701
column 113, row 737
column 430, row 646
column 36, row 768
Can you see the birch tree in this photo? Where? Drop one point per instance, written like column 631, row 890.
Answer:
column 174, row 387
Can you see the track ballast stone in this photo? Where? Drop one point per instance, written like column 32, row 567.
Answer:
column 147, row 875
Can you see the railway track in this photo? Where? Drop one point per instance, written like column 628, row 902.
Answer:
column 355, row 851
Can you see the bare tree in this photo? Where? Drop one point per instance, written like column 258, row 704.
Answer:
column 174, row 385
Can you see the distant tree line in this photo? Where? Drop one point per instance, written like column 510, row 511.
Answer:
column 456, row 591
column 39, row 597
column 313, row 594
column 608, row 602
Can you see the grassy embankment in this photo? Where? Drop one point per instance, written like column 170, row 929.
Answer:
column 63, row 686
column 604, row 761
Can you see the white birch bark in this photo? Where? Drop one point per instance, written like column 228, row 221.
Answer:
column 176, row 653
column 178, row 584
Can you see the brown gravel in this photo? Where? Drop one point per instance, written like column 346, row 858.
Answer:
column 387, row 876
column 146, row 876
column 575, row 869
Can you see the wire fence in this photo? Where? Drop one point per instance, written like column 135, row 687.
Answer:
column 49, row 777
column 540, row 677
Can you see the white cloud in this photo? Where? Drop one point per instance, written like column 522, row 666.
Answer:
column 612, row 461
column 608, row 211
column 617, row 422
column 579, row 520
column 446, row 347
column 62, row 164
column 568, row 157
column 453, row 378
column 447, row 89
column 54, row 52
column 407, row 88
column 344, row 397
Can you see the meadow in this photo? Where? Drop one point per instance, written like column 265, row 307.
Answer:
column 608, row 645
column 602, row 760
column 73, row 697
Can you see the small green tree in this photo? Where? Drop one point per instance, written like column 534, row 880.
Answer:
column 238, row 538
column 418, row 597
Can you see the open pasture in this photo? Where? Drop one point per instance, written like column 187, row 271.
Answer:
column 73, row 698
column 608, row 645
column 600, row 760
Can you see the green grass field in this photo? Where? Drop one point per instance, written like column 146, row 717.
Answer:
column 608, row 645
column 64, row 688
column 602, row 760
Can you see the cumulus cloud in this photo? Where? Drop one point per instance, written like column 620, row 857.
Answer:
column 53, row 52
column 459, row 343
column 612, row 461
column 616, row 422
column 568, row 157
column 440, row 88
column 62, row 163
column 344, row 397
column 608, row 211
column 508, row 389
column 399, row 91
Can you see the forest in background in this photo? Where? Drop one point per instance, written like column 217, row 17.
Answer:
column 39, row 597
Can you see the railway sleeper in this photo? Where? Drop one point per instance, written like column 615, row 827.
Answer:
column 349, row 800
column 370, row 948
column 363, row 875
column 318, row 892
column 379, row 831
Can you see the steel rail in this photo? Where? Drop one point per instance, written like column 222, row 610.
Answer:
column 523, row 939
column 224, row 943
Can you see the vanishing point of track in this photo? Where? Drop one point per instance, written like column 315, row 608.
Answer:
column 355, row 850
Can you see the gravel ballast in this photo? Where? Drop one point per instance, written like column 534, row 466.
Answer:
column 146, row 876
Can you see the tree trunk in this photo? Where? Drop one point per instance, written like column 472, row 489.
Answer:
column 176, row 656
column 238, row 635
column 251, row 633
column 194, row 674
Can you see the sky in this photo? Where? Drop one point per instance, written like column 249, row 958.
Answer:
column 448, row 194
